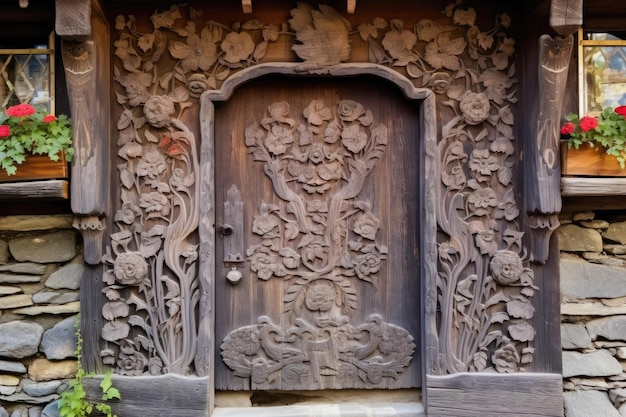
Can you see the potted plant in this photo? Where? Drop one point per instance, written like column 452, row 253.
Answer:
column 595, row 145
column 37, row 142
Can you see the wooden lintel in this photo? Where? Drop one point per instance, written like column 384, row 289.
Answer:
column 31, row 190
column 73, row 19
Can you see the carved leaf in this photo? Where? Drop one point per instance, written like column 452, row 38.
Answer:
column 520, row 308
column 523, row 332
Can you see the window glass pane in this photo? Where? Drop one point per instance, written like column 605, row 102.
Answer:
column 26, row 77
column 604, row 77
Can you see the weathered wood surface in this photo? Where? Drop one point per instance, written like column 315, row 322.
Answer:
column 87, row 72
column 495, row 395
column 35, row 190
column 320, row 297
column 566, row 16
column 73, row 18
column 586, row 186
column 590, row 161
column 161, row 396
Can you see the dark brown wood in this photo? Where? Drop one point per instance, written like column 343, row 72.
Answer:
column 495, row 395
column 272, row 302
column 35, row 190
column 162, row 396
column 37, row 167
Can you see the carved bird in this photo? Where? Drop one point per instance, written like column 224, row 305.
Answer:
column 323, row 35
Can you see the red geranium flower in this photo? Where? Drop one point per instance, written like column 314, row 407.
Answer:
column 5, row 131
column 587, row 123
column 49, row 118
column 21, row 110
column 621, row 110
column 567, row 128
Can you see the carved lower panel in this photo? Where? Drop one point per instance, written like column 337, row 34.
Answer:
column 320, row 351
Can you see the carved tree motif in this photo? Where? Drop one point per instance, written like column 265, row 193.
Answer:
column 484, row 286
column 322, row 240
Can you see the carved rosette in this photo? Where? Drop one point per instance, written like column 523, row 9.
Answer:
column 484, row 284
column 322, row 241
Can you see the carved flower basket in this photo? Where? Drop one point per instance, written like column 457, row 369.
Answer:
column 38, row 167
column 589, row 161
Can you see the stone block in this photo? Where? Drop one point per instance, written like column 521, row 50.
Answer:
column 19, row 339
column 589, row 404
column 599, row 363
column 575, row 336
column 67, row 277
column 580, row 279
column 616, row 232
column 45, row 370
column 611, row 328
column 15, row 301
column 45, row 248
column 573, row 238
column 60, row 341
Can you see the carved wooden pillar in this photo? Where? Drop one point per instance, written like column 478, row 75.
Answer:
column 543, row 194
column 85, row 49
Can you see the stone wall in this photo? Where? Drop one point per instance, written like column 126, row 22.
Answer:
column 40, row 270
column 593, row 310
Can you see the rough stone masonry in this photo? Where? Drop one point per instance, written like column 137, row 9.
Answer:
column 40, row 270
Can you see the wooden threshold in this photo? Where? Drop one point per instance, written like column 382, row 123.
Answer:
column 35, row 190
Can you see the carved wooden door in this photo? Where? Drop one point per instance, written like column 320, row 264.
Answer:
column 317, row 278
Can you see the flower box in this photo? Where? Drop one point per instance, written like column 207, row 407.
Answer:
column 38, row 167
column 589, row 161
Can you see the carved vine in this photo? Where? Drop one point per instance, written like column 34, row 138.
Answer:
column 484, row 284
column 323, row 239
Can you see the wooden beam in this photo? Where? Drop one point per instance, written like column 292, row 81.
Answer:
column 600, row 186
column 495, row 395
column 41, row 190
column 73, row 19
column 566, row 16
column 351, row 6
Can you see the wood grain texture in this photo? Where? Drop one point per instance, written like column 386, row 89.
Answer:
column 585, row 186
column 73, row 18
column 162, row 396
column 391, row 295
column 495, row 395
column 35, row 190
column 590, row 161
column 38, row 167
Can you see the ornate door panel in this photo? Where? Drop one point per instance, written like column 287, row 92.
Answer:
column 317, row 280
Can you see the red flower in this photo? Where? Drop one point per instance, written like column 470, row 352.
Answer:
column 621, row 110
column 587, row 123
column 567, row 128
column 49, row 118
column 21, row 110
column 5, row 131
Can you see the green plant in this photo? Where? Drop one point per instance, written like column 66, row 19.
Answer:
column 73, row 402
column 608, row 131
column 25, row 130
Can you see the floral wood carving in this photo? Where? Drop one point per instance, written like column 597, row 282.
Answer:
column 323, row 241
column 484, row 286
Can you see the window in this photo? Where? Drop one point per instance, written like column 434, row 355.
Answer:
column 27, row 76
column 602, row 72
